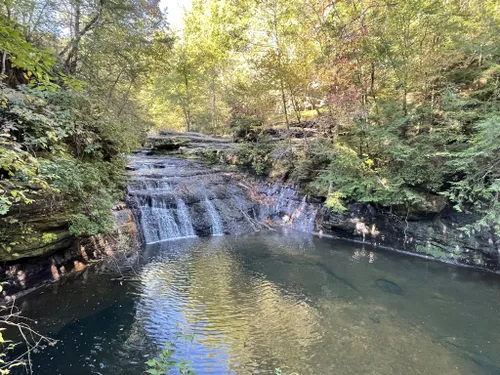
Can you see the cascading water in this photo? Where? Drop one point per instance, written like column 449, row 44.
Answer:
column 215, row 222
column 185, row 219
column 163, row 218
column 178, row 198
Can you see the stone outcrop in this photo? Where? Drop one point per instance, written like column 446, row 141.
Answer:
column 176, row 198
column 75, row 256
column 437, row 236
column 432, row 231
column 189, row 144
column 36, row 229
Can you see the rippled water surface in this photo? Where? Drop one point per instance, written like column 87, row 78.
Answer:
column 289, row 300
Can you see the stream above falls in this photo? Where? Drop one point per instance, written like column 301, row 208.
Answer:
column 256, row 302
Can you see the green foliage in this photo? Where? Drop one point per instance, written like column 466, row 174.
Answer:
column 334, row 201
column 34, row 62
column 255, row 156
column 18, row 171
column 165, row 362
column 245, row 127
column 479, row 165
column 67, row 119
column 49, row 237
column 91, row 187
column 55, row 142
column 412, row 87
column 96, row 219
column 312, row 161
column 356, row 179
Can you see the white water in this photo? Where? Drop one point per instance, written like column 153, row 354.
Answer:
column 163, row 221
column 184, row 219
column 216, row 223
column 178, row 198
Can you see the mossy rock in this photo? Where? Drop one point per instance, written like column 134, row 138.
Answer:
column 433, row 251
column 430, row 206
column 34, row 244
column 36, row 229
column 167, row 143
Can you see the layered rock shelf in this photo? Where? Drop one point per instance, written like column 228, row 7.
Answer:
column 177, row 198
column 436, row 233
column 190, row 144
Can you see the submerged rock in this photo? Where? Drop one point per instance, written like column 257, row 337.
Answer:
column 389, row 286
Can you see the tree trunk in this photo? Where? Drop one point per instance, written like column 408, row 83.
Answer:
column 188, row 119
column 4, row 61
column 280, row 70
column 333, row 128
column 4, row 54
column 72, row 58
column 187, row 109
column 372, row 86
column 283, row 98
column 72, row 47
column 315, row 108
column 405, row 99
column 296, row 108
column 213, row 108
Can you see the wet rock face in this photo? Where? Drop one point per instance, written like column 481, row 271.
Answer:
column 435, row 236
column 175, row 198
column 185, row 198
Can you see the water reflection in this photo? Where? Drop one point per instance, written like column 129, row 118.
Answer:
column 358, row 255
column 288, row 300
column 234, row 314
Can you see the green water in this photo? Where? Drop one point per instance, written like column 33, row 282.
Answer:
column 289, row 300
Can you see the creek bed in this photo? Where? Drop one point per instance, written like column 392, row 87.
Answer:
column 288, row 300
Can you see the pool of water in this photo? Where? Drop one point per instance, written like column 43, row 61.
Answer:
column 251, row 304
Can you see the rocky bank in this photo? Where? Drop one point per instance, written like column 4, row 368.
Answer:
column 434, row 232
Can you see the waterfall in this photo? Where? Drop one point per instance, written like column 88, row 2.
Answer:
column 164, row 221
column 216, row 224
column 185, row 219
column 177, row 198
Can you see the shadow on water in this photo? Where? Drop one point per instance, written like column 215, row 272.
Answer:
column 288, row 300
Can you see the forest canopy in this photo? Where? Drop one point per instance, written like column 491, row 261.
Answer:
column 408, row 93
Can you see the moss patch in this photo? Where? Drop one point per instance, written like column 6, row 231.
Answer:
column 433, row 251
